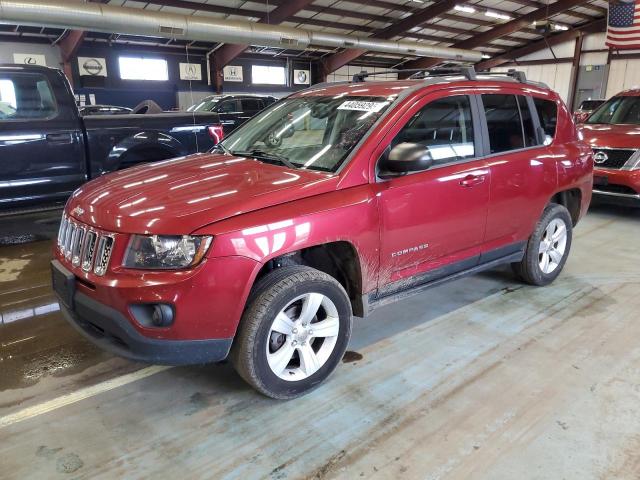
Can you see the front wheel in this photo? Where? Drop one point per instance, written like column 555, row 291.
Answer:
column 293, row 333
column 548, row 247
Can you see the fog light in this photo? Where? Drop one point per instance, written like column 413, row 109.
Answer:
column 153, row 314
column 162, row 315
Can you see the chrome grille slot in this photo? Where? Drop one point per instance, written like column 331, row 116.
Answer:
column 63, row 230
column 103, row 254
column 89, row 250
column 71, row 232
column 76, row 249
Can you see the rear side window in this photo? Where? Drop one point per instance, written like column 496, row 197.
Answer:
column 503, row 122
column 445, row 126
column 25, row 97
column 251, row 104
column 548, row 115
column 528, row 129
column 227, row 106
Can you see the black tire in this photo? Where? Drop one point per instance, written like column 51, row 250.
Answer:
column 529, row 269
column 269, row 296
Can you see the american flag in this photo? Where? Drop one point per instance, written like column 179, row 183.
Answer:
column 623, row 29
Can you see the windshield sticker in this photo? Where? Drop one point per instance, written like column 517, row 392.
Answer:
column 363, row 106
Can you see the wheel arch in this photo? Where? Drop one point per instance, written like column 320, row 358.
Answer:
column 143, row 147
column 338, row 259
column 571, row 199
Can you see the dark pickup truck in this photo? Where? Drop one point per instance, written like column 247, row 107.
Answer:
column 47, row 149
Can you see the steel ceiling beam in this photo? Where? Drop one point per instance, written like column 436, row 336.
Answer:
column 207, row 7
column 285, row 10
column 592, row 27
column 502, row 30
column 337, row 60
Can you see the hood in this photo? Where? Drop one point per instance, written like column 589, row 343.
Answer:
column 612, row 136
column 181, row 195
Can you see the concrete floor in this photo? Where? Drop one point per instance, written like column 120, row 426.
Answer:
column 483, row 378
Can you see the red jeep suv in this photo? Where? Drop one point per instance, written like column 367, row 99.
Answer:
column 613, row 131
column 331, row 202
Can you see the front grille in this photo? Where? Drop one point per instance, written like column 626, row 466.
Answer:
column 615, row 158
column 84, row 247
column 105, row 245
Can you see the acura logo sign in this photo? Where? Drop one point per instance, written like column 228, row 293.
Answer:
column 600, row 157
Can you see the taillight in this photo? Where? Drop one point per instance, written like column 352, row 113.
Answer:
column 216, row 133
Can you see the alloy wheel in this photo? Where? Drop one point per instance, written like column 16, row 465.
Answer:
column 302, row 337
column 552, row 246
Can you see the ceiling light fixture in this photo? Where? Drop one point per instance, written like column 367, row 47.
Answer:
column 559, row 26
column 464, row 8
column 485, row 55
column 501, row 16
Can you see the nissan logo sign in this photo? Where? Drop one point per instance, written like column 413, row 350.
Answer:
column 92, row 66
column 600, row 157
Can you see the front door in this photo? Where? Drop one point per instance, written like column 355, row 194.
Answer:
column 41, row 147
column 433, row 222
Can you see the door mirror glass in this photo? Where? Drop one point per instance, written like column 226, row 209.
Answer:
column 405, row 158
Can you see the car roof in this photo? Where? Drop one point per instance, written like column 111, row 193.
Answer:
column 393, row 87
column 632, row 92
column 31, row 68
column 238, row 95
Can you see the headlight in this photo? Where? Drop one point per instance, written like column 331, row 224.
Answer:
column 165, row 251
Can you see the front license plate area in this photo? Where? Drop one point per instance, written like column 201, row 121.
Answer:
column 600, row 181
column 64, row 283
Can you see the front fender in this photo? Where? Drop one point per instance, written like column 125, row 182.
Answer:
column 349, row 215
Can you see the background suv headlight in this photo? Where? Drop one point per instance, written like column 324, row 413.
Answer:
column 165, row 251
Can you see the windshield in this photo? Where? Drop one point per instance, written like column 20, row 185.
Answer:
column 316, row 133
column 590, row 104
column 205, row 105
column 618, row 110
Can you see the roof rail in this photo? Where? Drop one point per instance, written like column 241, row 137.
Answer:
column 518, row 75
column 466, row 70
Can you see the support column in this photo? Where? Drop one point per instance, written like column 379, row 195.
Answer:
column 68, row 48
column 575, row 69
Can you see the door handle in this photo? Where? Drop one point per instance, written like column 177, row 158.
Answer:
column 63, row 138
column 472, row 180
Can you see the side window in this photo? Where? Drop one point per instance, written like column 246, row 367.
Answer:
column 445, row 126
column 25, row 97
column 527, row 123
column 227, row 106
column 548, row 115
column 503, row 123
column 251, row 105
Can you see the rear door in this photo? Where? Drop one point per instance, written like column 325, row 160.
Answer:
column 41, row 145
column 523, row 170
column 433, row 222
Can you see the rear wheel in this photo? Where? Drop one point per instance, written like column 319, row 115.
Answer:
column 293, row 333
column 548, row 247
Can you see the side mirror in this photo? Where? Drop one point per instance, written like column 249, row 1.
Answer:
column 405, row 158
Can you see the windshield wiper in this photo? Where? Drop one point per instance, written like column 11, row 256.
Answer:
column 269, row 157
column 224, row 149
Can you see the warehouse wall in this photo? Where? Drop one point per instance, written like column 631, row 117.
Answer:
column 345, row 73
column 52, row 54
column 623, row 73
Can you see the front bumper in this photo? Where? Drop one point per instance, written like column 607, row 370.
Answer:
column 615, row 198
column 618, row 187
column 112, row 331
